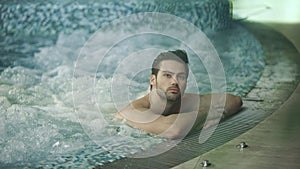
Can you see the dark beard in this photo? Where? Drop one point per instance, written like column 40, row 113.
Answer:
column 166, row 95
column 172, row 99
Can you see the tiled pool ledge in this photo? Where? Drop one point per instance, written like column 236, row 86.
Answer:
column 277, row 83
column 273, row 143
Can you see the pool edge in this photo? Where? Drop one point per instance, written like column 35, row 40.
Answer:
column 267, row 149
column 188, row 147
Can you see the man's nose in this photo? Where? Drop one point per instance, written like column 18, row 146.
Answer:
column 174, row 81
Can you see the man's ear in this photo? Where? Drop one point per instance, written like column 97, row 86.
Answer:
column 153, row 80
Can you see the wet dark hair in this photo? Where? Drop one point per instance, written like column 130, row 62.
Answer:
column 178, row 55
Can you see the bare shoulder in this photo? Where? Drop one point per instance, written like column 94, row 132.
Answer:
column 140, row 104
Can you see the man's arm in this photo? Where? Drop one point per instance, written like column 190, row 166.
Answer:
column 216, row 107
column 172, row 126
column 178, row 125
column 230, row 104
column 139, row 115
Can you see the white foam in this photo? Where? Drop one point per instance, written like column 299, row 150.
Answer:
column 53, row 104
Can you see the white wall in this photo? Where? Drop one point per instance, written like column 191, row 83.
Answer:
column 279, row 11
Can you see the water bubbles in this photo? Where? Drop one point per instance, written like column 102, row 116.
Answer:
column 50, row 18
column 55, row 144
column 37, row 117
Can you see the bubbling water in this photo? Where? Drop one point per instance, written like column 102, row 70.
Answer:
column 38, row 119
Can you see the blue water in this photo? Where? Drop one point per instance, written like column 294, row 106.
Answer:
column 39, row 124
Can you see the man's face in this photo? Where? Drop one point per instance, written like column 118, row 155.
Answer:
column 171, row 80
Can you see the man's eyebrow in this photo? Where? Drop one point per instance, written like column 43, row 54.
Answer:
column 166, row 71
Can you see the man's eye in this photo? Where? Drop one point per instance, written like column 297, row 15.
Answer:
column 182, row 77
column 167, row 75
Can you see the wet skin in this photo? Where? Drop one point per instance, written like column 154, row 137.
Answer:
column 169, row 112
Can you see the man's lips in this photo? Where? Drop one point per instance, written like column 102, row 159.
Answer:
column 173, row 90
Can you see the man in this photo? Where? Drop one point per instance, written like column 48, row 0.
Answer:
column 167, row 110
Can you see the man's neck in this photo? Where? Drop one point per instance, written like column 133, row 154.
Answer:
column 172, row 107
column 164, row 107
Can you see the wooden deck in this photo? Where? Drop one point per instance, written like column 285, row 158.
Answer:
column 275, row 142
